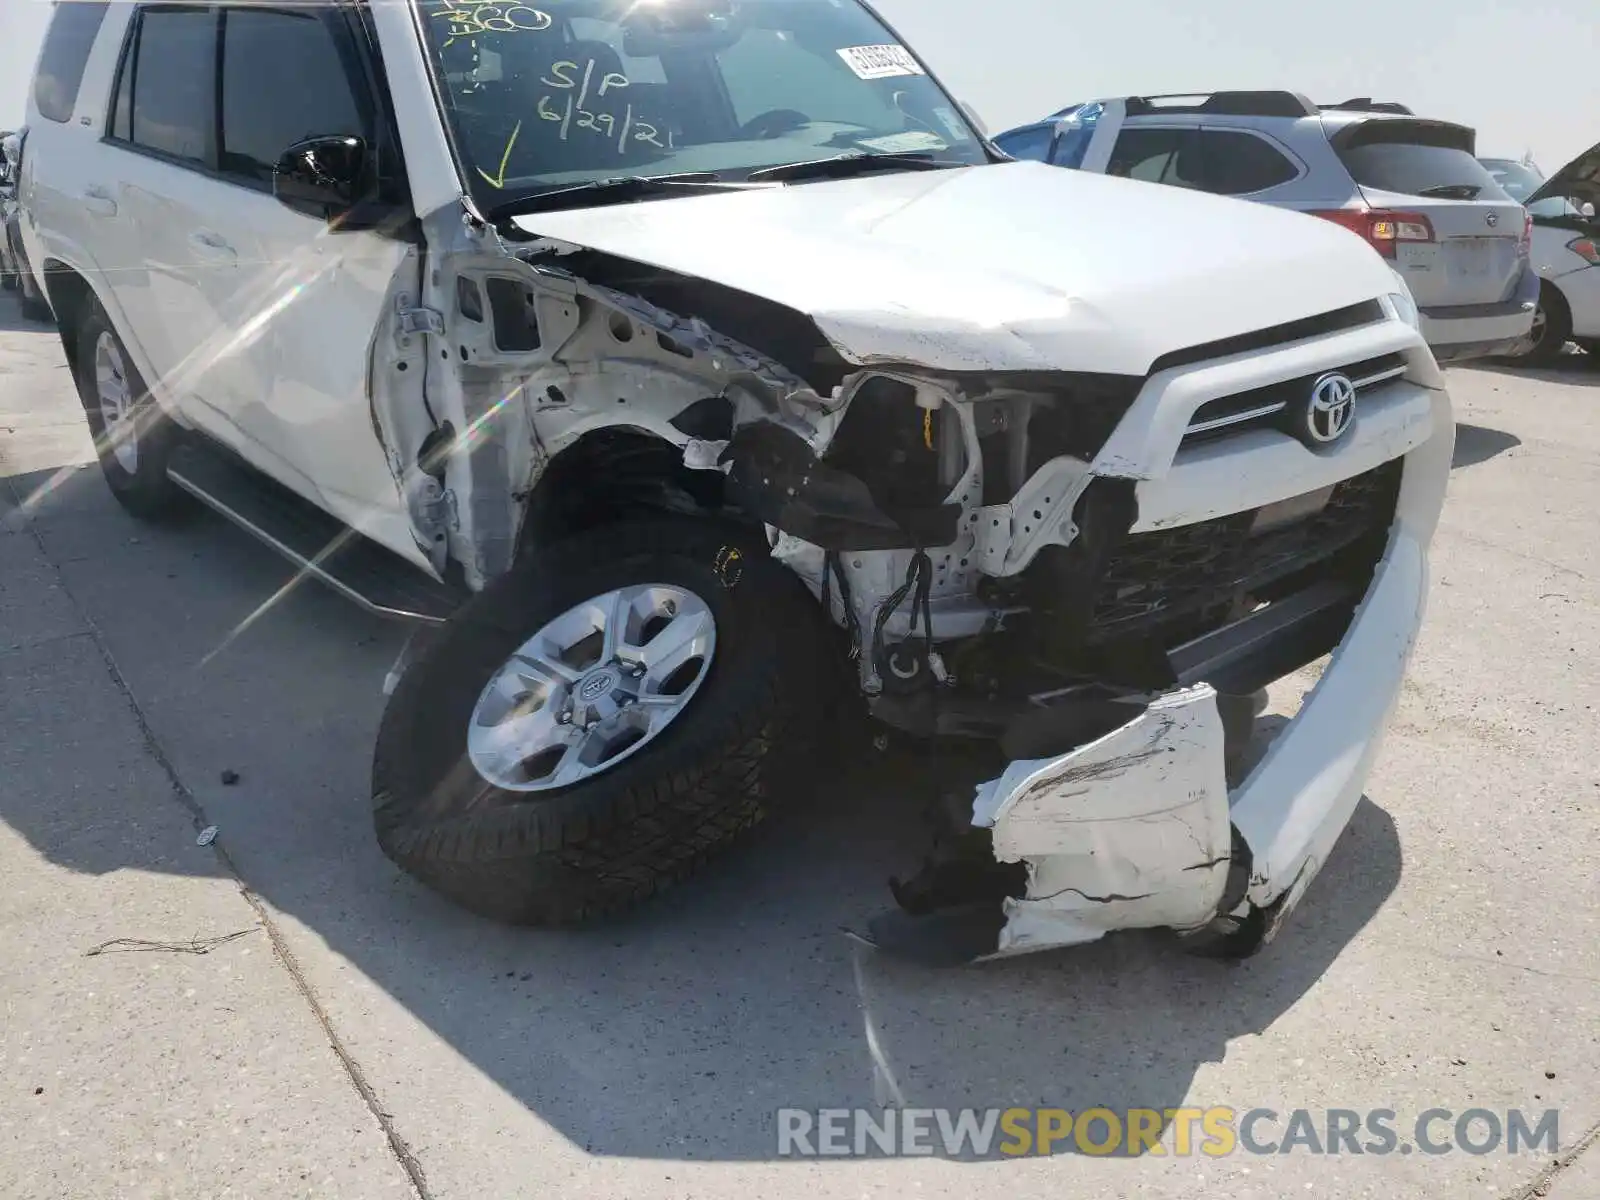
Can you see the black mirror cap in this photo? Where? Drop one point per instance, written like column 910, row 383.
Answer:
column 324, row 177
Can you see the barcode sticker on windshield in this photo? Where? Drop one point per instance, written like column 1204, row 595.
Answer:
column 880, row 62
column 904, row 143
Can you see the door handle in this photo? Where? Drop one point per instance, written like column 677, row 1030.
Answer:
column 99, row 201
column 212, row 245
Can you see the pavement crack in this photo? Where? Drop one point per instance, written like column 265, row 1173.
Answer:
column 1539, row 1186
column 1478, row 539
column 1506, row 964
column 353, row 1071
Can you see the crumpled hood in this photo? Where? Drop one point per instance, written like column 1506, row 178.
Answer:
column 1018, row 266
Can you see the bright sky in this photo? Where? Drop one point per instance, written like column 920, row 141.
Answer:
column 1524, row 73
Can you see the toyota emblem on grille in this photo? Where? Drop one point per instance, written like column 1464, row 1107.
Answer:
column 1493, row 219
column 1332, row 408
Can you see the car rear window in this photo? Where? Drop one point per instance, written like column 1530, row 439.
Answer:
column 73, row 28
column 1416, row 165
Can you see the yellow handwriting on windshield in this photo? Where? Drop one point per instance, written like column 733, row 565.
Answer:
column 499, row 180
column 470, row 18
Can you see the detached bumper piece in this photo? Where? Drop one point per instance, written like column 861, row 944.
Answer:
column 1129, row 831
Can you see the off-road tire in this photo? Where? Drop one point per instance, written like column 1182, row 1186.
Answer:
column 568, row 856
column 1557, row 328
column 146, row 492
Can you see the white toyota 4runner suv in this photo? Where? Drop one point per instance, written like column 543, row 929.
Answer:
column 663, row 357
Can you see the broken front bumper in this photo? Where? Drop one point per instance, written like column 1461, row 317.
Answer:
column 1137, row 829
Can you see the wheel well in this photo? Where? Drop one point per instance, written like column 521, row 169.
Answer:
column 1552, row 296
column 69, row 295
column 612, row 475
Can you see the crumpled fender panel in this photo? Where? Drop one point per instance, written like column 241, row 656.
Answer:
column 1129, row 831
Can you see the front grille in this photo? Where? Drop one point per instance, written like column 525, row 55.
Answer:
column 1175, row 580
column 1277, row 405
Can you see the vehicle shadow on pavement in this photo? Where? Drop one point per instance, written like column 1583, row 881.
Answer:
column 674, row 1033
column 12, row 321
column 1479, row 443
column 1579, row 368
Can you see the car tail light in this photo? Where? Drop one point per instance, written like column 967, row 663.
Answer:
column 1383, row 228
column 1525, row 246
column 1587, row 249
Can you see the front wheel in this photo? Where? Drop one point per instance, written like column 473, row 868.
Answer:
column 598, row 722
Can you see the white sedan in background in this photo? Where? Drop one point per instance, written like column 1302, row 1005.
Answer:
column 1566, row 251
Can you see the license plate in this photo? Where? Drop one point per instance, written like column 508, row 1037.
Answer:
column 1473, row 256
column 1418, row 259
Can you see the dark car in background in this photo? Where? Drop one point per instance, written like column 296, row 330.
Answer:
column 15, row 272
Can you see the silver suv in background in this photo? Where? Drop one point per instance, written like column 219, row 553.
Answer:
column 1410, row 186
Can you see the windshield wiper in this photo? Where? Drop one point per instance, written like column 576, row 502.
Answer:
column 843, row 166
column 621, row 189
column 1452, row 191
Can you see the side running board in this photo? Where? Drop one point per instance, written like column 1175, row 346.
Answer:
column 319, row 545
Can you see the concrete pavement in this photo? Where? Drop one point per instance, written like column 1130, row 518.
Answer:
column 366, row 1040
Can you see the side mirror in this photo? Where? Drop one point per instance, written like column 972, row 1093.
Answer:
column 972, row 115
column 323, row 177
column 1588, row 210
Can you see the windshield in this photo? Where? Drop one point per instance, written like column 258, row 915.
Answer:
column 1517, row 180
column 555, row 93
column 1076, row 129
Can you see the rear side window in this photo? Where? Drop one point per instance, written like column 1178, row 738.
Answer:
column 73, row 28
column 166, row 100
column 1237, row 164
column 1416, row 164
column 1027, row 143
column 263, row 111
column 1168, row 156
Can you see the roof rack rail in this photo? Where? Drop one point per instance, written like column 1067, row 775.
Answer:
column 1368, row 104
column 1236, row 104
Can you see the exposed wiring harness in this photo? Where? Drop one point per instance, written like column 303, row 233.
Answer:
column 919, row 585
column 832, row 568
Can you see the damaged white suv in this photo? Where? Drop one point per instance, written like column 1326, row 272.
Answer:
column 663, row 356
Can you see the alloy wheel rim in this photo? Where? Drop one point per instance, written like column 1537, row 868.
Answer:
column 116, row 403
column 592, row 687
